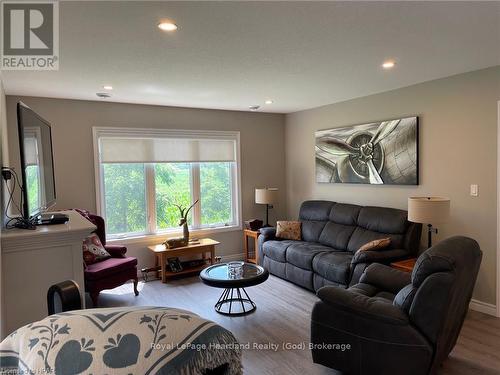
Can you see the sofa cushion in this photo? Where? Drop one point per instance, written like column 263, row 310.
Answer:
column 334, row 266
column 299, row 276
column 311, row 230
column 336, row 235
column 346, row 214
column 276, row 250
column 383, row 220
column 301, row 255
column 109, row 267
column 320, row 282
column 362, row 236
column 315, row 210
column 275, row 267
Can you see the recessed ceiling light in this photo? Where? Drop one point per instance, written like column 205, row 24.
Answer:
column 107, row 87
column 254, row 107
column 389, row 64
column 167, row 26
column 269, row 102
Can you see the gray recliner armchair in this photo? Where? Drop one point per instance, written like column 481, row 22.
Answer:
column 397, row 322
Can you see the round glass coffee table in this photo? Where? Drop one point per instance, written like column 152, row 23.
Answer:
column 234, row 300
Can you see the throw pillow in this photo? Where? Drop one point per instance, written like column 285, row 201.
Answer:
column 93, row 251
column 289, row 230
column 379, row 244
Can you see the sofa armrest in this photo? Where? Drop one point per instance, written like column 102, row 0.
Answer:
column 379, row 256
column 266, row 234
column 385, row 278
column 116, row 251
column 361, row 305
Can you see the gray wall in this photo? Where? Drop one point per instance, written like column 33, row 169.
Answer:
column 458, row 145
column 262, row 151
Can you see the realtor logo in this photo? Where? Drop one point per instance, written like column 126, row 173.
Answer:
column 30, row 35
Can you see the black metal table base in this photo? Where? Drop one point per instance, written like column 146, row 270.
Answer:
column 232, row 302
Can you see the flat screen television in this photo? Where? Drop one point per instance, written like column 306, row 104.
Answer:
column 37, row 164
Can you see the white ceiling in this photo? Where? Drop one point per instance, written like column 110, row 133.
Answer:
column 230, row 55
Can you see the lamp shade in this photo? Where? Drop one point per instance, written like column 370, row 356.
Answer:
column 266, row 196
column 428, row 210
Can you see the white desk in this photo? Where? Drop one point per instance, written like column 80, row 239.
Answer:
column 32, row 261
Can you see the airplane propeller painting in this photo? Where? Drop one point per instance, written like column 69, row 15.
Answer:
column 383, row 152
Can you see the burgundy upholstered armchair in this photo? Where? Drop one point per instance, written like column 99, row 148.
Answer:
column 112, row 272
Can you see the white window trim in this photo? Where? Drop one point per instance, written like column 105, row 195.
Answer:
column 98, row 132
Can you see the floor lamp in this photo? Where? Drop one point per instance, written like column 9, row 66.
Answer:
column 428, row 210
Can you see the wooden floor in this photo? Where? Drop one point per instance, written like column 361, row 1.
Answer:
column 282, row 315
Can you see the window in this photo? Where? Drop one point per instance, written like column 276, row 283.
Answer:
column 142, row 174
column 124, row 198
column 215, row 192
column 173, row 185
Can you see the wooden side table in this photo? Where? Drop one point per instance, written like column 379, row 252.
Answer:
column 405, row 265
column 251, row 257
column 203, row 247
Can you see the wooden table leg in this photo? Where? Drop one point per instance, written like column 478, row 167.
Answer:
column 212, row 254
column 163, row 261
column 256, row 249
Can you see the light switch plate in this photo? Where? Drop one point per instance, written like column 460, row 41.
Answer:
column 474, row 190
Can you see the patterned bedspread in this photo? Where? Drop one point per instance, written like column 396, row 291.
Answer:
column 132, row 340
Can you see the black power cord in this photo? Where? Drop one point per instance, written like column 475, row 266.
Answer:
column 18, row 221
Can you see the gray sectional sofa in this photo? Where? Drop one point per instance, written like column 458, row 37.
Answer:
column 331, row 234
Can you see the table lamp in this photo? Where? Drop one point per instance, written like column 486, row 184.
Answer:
column 266, row 196
column 428, row 210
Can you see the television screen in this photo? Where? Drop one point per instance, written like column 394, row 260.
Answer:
column 35, row 143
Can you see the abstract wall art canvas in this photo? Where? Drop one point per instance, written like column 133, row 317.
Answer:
column 384, row 152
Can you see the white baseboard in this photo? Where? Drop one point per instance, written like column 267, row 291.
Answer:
column 486, row 308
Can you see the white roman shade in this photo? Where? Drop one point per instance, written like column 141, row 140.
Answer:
column 166, row 150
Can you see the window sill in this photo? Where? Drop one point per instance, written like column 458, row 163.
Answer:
column 151, row 239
